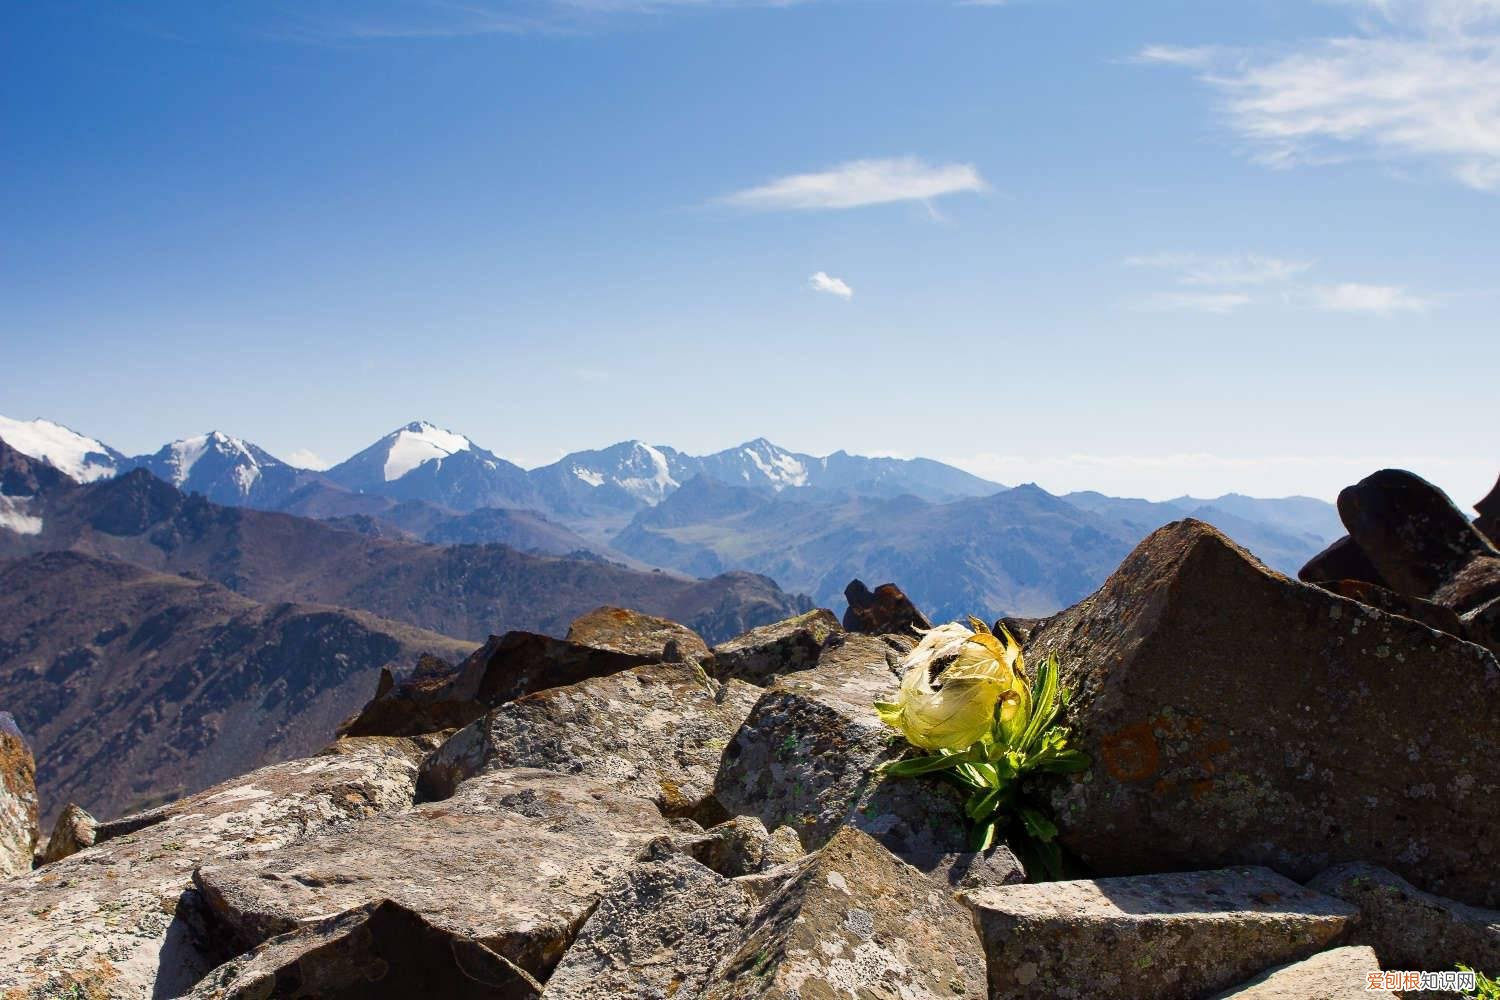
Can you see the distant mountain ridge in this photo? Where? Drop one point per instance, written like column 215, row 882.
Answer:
column 466, row 591
column 810, row 523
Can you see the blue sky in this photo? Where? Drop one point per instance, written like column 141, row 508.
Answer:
column 1147, row 247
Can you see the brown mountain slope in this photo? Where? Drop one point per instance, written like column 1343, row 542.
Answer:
column 469, row 591
column 136, row 686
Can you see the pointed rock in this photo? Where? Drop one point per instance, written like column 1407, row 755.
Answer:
column 515, row 860
column 658, row 731
column 1336, row 974
column 122, row 920
column 1149, row 937
column 379, row 952
column 886, row 609
column 1238, row 717
column 1409, row 928
column 658, row 931
column 18, row 809
column 854, row 920
column 74, row 830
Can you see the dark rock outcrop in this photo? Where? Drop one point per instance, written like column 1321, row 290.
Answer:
column 1489, row 515
column 1342, row 560
column 1238, row 717
column 885, row 609
column 1422, row 545
column 507, row 667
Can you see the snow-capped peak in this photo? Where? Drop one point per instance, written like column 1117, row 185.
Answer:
column 82, row 458
column 417, row 444
column 779, row 466
column 175, row 462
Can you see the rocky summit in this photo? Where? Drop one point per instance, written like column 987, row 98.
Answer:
column 1290, row 790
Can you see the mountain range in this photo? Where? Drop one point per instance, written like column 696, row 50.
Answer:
column 956, row 542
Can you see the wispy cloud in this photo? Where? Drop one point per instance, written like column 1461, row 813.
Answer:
column 1418, row 81
column 821, row 282
column 1379, row 300
column 859, row 183
column 1236, row 269
column 1214, row 303
column 1223, row 284
column 439, row 19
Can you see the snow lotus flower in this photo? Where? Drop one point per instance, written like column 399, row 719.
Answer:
column 953, row 685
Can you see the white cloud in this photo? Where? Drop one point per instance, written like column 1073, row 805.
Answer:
column 821, row 282
column 1215, row 303
column 1165, row 476
column 862, row 182
column 1238, row 269
column 1418, row 82
column 1381, row 300
column 302, row 458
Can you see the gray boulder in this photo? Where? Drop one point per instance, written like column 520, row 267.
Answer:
column 1238, row 717
column 619, row 630
column 853, row 921
column 1150, row 937
column 658, row 731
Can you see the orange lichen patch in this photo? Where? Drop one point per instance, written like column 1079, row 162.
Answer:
column 1131, row 754
column 1202, row 788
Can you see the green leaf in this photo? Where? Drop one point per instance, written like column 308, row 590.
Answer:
column 982, row 837
column 982, row 807
column 912, row 767
column 1039, row 826
column 1064, row 762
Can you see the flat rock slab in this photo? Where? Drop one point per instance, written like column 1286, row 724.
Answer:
column 18, row 805
column 515, row 860
column 1238, row 717
column 853, row 921
column 378, row 952
column 1412, row 929
column 120, row 919
column 622, row 631
column 657, row 731
column 763, row 654
column 1337, row 974
column 1153, row 937
column 658, row 932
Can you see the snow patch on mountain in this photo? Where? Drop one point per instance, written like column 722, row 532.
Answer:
column 589, row 476
column 82, row 458
column 781, row 468
column 657, row 481
column 14, row 516
column 420, row 443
